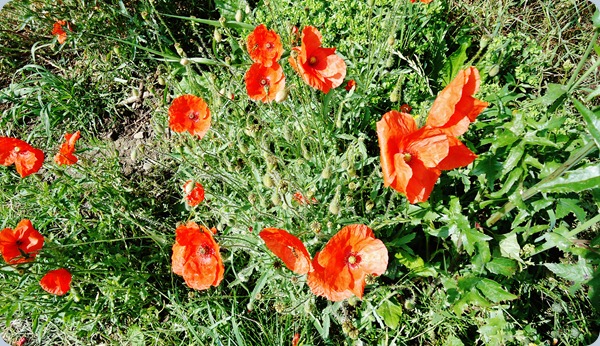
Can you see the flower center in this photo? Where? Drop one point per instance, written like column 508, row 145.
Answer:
column 407, row 157
column 17, row 149
column 204, row 250
column 353, row 260
column 19, row 243
column 194, row 115
column 312, row 60
column 268, row 45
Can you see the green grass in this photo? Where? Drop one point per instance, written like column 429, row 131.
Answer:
column 452, row 279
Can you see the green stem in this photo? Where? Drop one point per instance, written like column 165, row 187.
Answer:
column 589, row 49
column 578, row 156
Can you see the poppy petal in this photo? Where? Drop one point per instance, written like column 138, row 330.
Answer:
column 458, row 155
column 288, row 248
column 189, row 113
column 422, row 181
column 57, row 282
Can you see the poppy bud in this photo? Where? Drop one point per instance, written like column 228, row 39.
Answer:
column 161, row 80
column 305, row 152
column 243, row 148
column 133, row 154
column 247, row 9
column 223, row 21
column 389, row 62
column 116, row 50
column 282, row 95
column 252, row 198
column 391, row 40
column 409, row 304
column 369, row 205
column 334, row 206
column 494, row 70
column 485, row 39
column 239, row 16
column 189, row 186
column 394, row 96
column 217, row 35
column 267, row 180
column 275, row 198
column 184, row 61
column 326, row 173
column 179, row 50
column 144, row 15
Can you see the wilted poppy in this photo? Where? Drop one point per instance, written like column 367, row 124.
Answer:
column 189, row 113
column 263, row 83
column 59, row 32
column 288, row 248
column 298, row 197
column 455, row 107
column 196, row 257
column 264, row 46
column 351, row 84
column 65, row 155
column 22, row 244
column 26, row 158
column 57, row 282
column 319, row 67
column 194, row 193
column 340, row 269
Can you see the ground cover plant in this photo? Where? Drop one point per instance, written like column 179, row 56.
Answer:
column 324, row 173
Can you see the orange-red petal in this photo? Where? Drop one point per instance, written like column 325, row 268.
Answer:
column 458, row 155
column 189, row 113
column 65, row 155
column 264, row 46
column 57, row 282
column 22, row 244
column 263, row 83
column 288, row 248
column 196, row 195
column 455, row 107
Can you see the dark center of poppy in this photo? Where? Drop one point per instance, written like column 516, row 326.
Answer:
column 353, row 260
column 264, row 82
column 407, row 157
column 194, row 115
column 312, row 60
column 269, row 45
column 204, row 250
column 19, row 242
column 17, row 149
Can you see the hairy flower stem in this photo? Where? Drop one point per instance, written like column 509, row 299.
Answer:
column 578, row 156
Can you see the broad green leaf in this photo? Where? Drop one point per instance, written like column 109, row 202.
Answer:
column 390, row 313
column 554, row 96
column 514, row 156
column 502, row 266
column 455, row 61
column 470, row 237
column 509, row 246
column 494, row 291
column 574, row 181
column 453, row 341
column 473, row 297
column 512, row 178
column 415, row 264
column 577, row 273
column 592, row 120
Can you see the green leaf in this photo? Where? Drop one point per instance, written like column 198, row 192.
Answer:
column 514, row 156
column 470, row 237
column 390, row 313
column 592, row 120
column 578, row 273
column 574, row 181
column 494, row 291
column 509, row 246
column 502, row 266
column 415, row 264
column 453, row 341
column 565, row 206
column 455, row 61
column 554, row 96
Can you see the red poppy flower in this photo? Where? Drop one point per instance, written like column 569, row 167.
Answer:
column 263, row 83
column 189, row 113
column 405, row 108
column 59, row 32
column 196, row 257
column 349, row 256
column 264, row 46
column 288, row 248
column 319, row 67
column 423, row 1
column 194, row 193
column 296, row 339
column 22, row 244
column 351, row 84
column 26, row 158
column 412, row 159
column 65, row 155
column 455, row 107
column 57, row 282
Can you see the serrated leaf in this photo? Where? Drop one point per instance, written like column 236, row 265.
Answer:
column 470, row 237
column 390, row 313
column 553, row 93
column 502, row 266
column 512, row 178
column 574, row 181
column 415, row 264
column 577, row 273
column 565, row 206
column 592, row 120
column 514, row 156
column 494, row 291
column 453, row 341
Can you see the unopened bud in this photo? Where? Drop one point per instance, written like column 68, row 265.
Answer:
column 267, row 180
column 189, row 186
column 239, row 15
column 179, row 50
column 223, row 21
column 369, row 205
column 161, row 80
column 494, row 70
column 247, row 9
column 485, row 39
column 217, row 35
column 184, row 61
column 394, row 96
column 391, row 40
column 326, row 173
column 282, row 95
column 275, row 198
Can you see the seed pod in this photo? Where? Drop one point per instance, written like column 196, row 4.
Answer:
column 494, row 70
